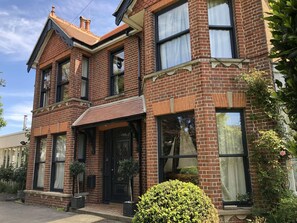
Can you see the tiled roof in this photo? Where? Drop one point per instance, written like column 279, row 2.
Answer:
column 112, row 111
column 75, row 32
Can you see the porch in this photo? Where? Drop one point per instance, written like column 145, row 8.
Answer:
column 112, row 211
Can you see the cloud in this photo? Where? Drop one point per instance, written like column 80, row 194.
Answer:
column 18, row 34
column 14, row 115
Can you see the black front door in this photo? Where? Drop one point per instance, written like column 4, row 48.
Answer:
column 117, row 147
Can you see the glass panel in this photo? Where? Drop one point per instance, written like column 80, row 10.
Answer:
column 46, row 79
column 219, row 13
column 175, row 52
column 232, row 177
column 81, row 146
column 178, row 135
column 173, row 21
column 60, row 148
column 65, row 69
column 40, row 176
column 292, row 174
column 59, row 176
column 41, row 151
column 118, row 84
column 83, row 90
column 183, row 169
column 118, row 63
column 220, row 43
column 64, row 92
column 85, row 67
column 229, row 133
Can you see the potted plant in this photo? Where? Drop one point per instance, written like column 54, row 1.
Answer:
column 128, row 168
column 76, row 168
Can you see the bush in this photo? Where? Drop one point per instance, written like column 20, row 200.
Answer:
column 20, row 174
column 6, row 174
column 175, row 201
column 285, row 211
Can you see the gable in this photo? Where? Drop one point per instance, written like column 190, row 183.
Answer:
column 53, row 47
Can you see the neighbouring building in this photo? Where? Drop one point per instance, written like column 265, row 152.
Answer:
column 13, row 149
column 160, row 88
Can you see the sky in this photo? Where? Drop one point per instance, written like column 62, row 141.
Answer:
column 21, row 23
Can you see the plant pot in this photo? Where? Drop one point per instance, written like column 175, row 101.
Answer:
column 77, row 202
column 129, row 208
column 21, row 195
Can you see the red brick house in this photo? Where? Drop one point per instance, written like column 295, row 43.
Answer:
column 160, row 89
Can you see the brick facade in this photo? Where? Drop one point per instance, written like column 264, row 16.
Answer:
column 201, row 86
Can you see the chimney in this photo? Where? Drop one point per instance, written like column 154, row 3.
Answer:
column 53, row 11
column 84, row 23
column 25, row 123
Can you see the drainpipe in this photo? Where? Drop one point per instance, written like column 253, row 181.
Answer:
column 139, row 66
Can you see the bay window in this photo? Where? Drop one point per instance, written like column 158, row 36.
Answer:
column 40, row 163
column 63, row 81
column 221, row 29
column 173, row 36
column 233, row 156
column 58, row 163
column 45, row 88
column 177, row 148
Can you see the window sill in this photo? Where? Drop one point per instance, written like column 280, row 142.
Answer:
column 232, row 210
column 47, row 193
column 114, row 96
column 172, row 70
column 227, row 62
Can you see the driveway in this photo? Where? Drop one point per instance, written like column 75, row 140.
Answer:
column 15, row 212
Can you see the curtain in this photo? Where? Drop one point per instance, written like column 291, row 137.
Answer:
column 292, row 174
column 231, row 168
column 220, row 43
column 178, row 50
column 59, row 181
column 40, row 176
column 219, row 13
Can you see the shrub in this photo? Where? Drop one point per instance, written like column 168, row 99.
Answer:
column 175, row 201
column 6, row 174
column 20, row 174
column 285, row 211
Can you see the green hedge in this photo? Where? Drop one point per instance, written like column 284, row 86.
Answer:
column 175, row 201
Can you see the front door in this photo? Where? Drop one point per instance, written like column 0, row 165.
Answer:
column 117, row 147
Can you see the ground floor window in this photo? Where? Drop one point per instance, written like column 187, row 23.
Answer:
column 58, row 163
column 40, row 163
column 177, row 148
column 233, row 156
column 292, row 172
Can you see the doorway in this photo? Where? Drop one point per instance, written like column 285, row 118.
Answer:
column 117, row 147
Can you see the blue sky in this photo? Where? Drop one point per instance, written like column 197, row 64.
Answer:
column 21, row 23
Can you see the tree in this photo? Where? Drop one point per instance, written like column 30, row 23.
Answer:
column 282, row 21
column 2, row 122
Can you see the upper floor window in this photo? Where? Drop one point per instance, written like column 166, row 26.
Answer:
column 177, row 148
column 221, row 30
column 58, row 163
column 63, row 81
column 40, row 162
column 85, row 78
column 173, row 36
column 233, row 156
column 45, row 87
column 117, row 73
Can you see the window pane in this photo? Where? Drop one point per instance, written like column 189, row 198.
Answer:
column 229, row 133
column 85, row 67
column 64, row 92
column 40, row 176
column 292, row 174
column 118, row 63
column 232, row 177
column 59, row 176
column 41, row 151
column 46, row 79
column 118, row 84
column 220, row 43
column 219, row 12
column 83, row 91
column 65, row 69
column 175, row 52
column 81, row 146
column 183, row 169
column 173, row 21
column 60, row 148
column 178, row 135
